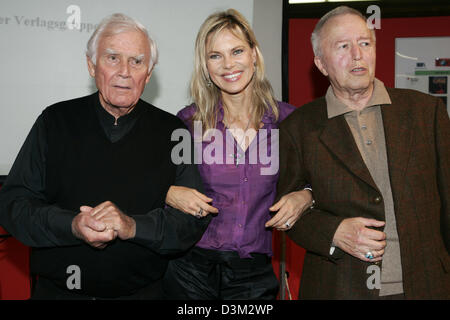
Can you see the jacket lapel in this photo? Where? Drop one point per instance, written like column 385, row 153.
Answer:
column 338, row 138
column 399, row 139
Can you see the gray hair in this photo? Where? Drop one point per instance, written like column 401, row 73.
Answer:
column 339, row 11
column 115, row 24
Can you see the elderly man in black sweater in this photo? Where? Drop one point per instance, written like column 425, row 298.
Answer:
column 88, row 187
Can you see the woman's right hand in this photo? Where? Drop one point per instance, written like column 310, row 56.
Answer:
column 189, row 201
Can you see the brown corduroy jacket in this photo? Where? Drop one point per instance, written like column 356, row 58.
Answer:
column 322, row 152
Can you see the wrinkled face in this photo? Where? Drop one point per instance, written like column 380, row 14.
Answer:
column 121, row 70
column 230, row 62
column 348, row 54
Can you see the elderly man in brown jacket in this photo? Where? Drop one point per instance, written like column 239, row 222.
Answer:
column 378, row 160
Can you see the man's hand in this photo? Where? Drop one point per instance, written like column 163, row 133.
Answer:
column 290, row 207
column 353, row 237
column 92, row 231
column 110, row 215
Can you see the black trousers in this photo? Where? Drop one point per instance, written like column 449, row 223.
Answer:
column 45, row 289
column 220, row 275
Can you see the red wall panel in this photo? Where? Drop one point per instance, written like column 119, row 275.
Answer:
column 14, row 270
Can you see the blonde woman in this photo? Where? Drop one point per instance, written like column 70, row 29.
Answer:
column 234, row 121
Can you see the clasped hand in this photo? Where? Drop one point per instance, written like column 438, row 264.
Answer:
column 102, row 224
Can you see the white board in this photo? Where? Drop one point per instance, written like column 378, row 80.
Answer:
column 423, row 64
column 43, row 62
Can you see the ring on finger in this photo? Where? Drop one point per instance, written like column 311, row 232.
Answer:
column 369, row 255
column 199, row 213
column 288, row 225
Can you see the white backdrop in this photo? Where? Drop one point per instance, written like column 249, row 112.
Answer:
column 43, row 62
column 415, row 64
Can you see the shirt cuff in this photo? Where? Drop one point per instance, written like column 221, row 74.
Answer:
column 60, row 221
column 332, row 250
column 308, row 187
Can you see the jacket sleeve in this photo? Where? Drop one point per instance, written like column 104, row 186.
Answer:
column 168, row 230
column 442, row 134
column 315, row 230
column 24, row 211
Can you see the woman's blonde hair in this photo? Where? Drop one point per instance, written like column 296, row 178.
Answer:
column 205, row 94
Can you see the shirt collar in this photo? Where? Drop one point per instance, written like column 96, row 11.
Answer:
column 336, row 108
column 109, row 120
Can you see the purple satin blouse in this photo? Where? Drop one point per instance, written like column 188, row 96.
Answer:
column 242, row 185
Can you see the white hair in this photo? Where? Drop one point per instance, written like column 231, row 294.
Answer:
column 339, row 11
column 115, row 24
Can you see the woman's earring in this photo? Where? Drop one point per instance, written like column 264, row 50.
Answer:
column 208, row 82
